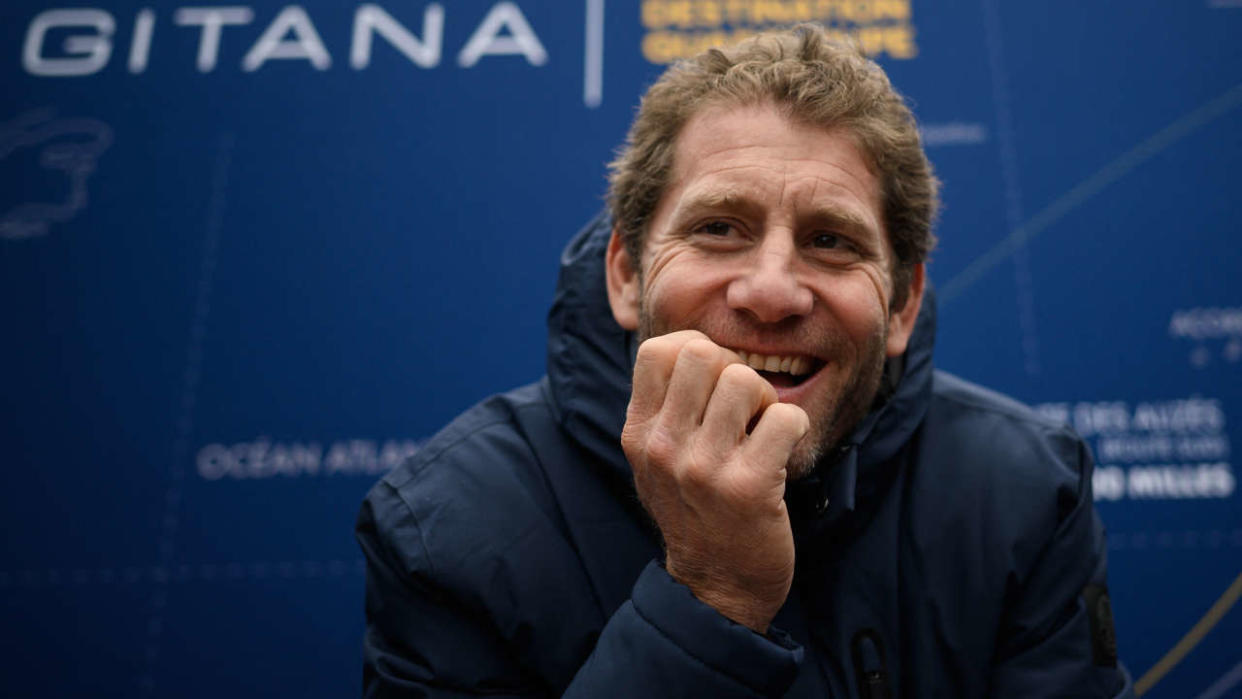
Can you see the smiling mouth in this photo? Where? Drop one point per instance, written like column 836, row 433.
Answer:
column 782, row 371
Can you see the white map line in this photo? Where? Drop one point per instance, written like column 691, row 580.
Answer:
column 189, row 397
column 182, row 573
column 1190, row 540
column 62, row 149
column 1013, row 187
column 309, row 569
column 1088, row 188
column 593, row 60
column 1230, row 680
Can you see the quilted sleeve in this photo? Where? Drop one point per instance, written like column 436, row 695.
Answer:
column 1057, row 635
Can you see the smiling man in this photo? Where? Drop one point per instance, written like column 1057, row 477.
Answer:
column 741, row 475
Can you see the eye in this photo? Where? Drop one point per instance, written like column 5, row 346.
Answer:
column 718, row 229
column 827, row 241
column 834, row 248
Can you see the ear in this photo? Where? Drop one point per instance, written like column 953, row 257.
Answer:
column 622, row 283
column 901, row 322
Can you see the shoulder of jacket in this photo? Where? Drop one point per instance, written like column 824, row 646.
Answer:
column 485, row 436
column 992, row 489
column 960, row 401
column 971, row 396
column 478, row 468
column 974, row 437
column 469, row 524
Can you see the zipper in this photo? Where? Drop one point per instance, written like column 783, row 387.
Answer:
column 869, row 671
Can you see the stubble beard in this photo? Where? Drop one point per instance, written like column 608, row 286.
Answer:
column 843, row 413
column 829, row 433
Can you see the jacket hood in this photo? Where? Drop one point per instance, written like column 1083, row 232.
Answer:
column 590, row 357
column 590, row 360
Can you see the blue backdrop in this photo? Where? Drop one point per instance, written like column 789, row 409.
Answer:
column 252, row 255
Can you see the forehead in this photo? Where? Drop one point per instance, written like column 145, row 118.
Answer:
column 753, row 151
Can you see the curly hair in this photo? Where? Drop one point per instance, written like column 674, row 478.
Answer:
column 813, row 81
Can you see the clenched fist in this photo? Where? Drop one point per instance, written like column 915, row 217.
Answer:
column 708, row 443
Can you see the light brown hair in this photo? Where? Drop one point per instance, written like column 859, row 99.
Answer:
column 813, row 81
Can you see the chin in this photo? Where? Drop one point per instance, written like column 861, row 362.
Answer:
column 835, row 427
column 803, row 461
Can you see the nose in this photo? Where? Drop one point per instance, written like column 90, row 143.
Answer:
column 769, row 288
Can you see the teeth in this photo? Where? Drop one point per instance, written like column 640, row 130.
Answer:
column 795, row 365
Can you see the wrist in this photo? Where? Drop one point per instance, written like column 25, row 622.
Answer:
column 738, row 603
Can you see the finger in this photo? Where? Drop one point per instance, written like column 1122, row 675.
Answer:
column 653, row 367
column 779, row 430
column 698, row 366
column 740, row 395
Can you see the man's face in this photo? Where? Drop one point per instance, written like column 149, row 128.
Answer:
column 770, row 240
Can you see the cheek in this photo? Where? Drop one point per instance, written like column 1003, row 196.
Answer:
column 881, row 285
column 678, row 287
column 860, row 305
column 671, row 301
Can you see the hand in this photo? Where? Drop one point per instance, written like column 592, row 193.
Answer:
column 714, row 487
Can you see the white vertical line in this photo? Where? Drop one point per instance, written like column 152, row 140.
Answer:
column 593, row 62
column 216, row 202
column 1013, row 187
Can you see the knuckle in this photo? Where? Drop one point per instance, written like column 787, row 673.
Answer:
column 790, row 416
column 781, row 412
column 701, row 350
column 696, row 476
column 739, row 376
column 655, row 349
column 661, row 446
column 630, row 437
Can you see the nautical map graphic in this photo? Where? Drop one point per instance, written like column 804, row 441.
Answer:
column 70, row 146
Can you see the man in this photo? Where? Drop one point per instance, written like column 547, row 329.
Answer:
column 741, row 475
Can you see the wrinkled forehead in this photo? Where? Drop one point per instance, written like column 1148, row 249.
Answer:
column 735, row 156
column 714, row 106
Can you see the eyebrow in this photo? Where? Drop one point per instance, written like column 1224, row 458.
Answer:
column 842, row 219
column 714, row 200
column 732, row 199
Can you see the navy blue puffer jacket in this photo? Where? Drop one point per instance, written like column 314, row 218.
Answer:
column 951, row 549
